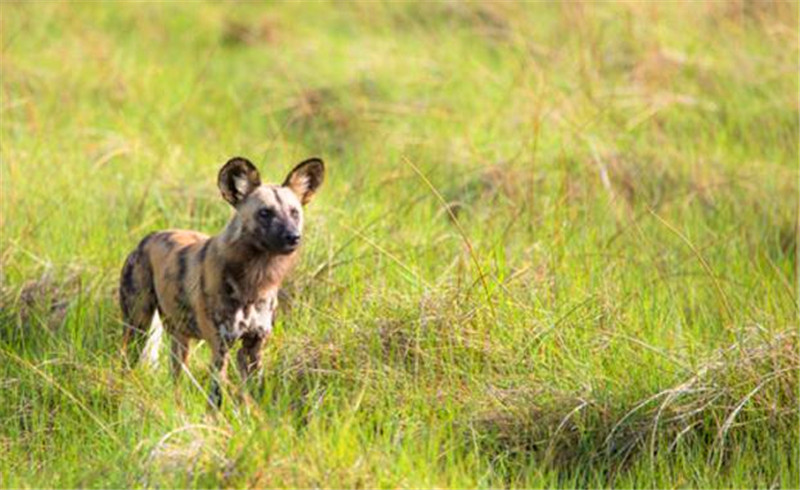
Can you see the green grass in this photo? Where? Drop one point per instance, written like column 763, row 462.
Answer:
column 615, row 305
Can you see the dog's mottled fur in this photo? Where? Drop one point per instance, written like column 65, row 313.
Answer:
column 222, row 288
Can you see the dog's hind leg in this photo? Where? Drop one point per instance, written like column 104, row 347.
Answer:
column 137, row 297
column 179, row 354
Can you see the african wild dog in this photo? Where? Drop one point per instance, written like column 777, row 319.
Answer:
column 221, row 288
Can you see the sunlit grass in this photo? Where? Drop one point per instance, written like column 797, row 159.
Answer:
column 557, row 244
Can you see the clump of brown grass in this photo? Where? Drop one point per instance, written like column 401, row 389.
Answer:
column 45, row 299
column 750, row 386
column 642, row 179
column 320, row 108
column 490, row 21
column 499, row 181
column 189, row 450
column 306, row 369
column 332, row 116
column 241, row 33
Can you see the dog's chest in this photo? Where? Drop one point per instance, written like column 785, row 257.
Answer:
column 254, row 318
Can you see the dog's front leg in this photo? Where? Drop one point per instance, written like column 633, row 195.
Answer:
column 248, row 358
column 219, row 363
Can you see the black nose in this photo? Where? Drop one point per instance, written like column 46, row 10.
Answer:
column 291, row 238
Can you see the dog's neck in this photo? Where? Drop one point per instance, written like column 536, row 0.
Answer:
column 249, row 267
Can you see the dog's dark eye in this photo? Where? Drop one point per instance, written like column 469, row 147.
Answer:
column 266, row 214
column 294, row 213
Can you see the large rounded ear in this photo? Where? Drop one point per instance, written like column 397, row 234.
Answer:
column 238, row 178
column 305, row 179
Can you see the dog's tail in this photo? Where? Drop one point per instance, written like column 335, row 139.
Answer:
column 153, row 344
column 137, row 298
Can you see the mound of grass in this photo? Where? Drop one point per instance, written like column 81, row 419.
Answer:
column 557, row 246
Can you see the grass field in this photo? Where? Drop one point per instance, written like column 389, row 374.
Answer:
column 557, row 244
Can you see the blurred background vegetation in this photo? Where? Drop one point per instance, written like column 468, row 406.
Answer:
column 557, row 245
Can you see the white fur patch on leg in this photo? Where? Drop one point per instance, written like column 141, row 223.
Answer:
column 153, row 344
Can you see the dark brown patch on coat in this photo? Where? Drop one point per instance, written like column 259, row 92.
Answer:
column 186, row 312
column 278, row 197
column 201, row 256
column 165, row 239
column 128, row 289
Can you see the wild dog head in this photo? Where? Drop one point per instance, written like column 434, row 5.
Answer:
column 270, row 216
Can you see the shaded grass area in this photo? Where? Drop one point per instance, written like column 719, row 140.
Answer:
column 557, row 244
